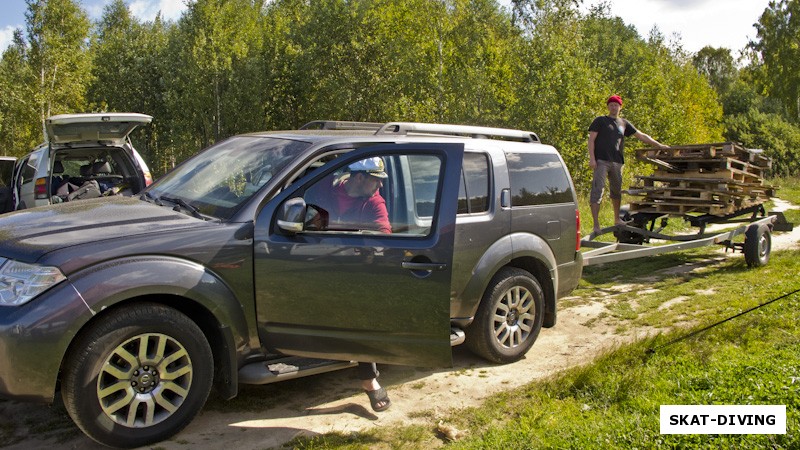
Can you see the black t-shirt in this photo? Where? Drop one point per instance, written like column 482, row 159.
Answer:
column 609, row 145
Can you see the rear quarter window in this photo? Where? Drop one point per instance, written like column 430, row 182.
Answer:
column 538, row 179
column 473, row 192
column 28, row 172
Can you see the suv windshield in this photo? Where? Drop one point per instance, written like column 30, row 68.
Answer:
column 218, row 181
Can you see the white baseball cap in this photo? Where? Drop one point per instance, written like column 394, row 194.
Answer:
column 373, row 166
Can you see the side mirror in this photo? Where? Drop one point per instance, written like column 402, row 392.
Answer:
column 292, row 215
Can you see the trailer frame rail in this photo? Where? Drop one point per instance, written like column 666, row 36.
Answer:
column 606, row 252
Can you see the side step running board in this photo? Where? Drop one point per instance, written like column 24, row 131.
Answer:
column 265, row 372
column 457, row 336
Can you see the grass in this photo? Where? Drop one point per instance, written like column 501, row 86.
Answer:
column 614, row 402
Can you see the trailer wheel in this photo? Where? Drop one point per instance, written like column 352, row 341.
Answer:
column 509, row 317
column 757, row 245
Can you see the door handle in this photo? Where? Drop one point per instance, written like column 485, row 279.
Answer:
column 423, row 266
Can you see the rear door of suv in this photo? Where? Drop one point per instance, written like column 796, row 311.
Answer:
column 364, row 295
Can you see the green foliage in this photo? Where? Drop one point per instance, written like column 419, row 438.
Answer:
column 778, row 31
column 233, row 66
column 46, row 74
column 58, row 55
column 390, row 60
column 20, row 128
column 717, row 65
column 131, row 75
column 575, row 62
column 210, row 73
column 771, row 132
column 559, row 90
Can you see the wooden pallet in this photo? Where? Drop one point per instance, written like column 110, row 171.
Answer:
column 703, row 183
column 716, row 179
column 698, row 165
column 680, row 208
column 686, row 207
column 730, row 149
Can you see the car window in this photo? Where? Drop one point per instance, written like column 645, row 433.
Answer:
column 28, row 172
column 394, row 194
column 473, row 191
column 537, row 179
column 219, row 180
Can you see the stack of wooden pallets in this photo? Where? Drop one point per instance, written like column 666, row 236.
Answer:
column 717, row 179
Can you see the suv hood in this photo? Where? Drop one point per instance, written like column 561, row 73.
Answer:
column 112, row 128
column 29, row 234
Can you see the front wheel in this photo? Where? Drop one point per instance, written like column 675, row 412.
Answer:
column 509, row 317
column 138, row 376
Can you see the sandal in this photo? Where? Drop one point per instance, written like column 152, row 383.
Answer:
column 377, row 397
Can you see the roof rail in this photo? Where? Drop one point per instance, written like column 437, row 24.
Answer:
column 341, row 125
column 457, row 130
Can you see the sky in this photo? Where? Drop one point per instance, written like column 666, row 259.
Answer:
column 698, row 23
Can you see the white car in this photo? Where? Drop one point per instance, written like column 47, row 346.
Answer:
column 84, row 156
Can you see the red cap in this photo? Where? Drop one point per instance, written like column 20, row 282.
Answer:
column 615, row 99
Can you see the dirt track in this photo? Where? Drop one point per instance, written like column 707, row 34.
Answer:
column 268, row 416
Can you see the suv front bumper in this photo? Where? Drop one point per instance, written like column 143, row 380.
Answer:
column 34, row 338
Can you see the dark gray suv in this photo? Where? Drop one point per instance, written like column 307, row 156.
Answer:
column 239, row 267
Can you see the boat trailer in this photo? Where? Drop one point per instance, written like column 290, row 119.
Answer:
column 634, row 238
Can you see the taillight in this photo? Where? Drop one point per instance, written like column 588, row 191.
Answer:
column 148, row 178
column 40, row 189
column 577, row 230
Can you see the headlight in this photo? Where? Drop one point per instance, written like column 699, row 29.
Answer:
column 20, row 282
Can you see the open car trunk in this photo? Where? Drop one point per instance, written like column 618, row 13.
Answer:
column 92, row 172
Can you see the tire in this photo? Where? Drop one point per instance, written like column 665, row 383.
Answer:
column 509, row 317
column 137, row 376
column 757, row 245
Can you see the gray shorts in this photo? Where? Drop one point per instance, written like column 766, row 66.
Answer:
column 612, row 171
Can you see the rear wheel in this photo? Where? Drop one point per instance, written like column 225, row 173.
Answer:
column 138, row 376
column 509, row 317
column 757, row 245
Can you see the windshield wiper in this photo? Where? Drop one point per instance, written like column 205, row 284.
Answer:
column 181, row 202
column 148, row 197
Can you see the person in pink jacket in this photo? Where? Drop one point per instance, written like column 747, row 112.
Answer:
column 354, row 203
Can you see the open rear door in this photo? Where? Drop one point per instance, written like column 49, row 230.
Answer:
column 107, row 127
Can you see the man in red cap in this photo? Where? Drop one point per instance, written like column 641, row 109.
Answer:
column 607, row 156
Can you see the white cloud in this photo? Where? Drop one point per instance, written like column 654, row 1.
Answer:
column 95, row 9
column 7, row 36
column 146, row 10
column 698, row 22
column 688, row 4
